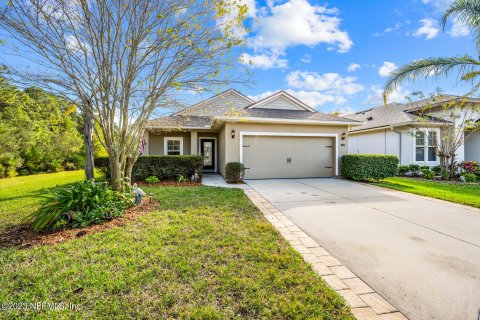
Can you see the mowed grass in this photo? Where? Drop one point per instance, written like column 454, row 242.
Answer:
column 21, row 195
column 467, row 194
column 206, row 253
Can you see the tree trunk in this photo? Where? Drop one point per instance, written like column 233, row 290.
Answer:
column 452, row 170
column 89, row 144
column 116, row 173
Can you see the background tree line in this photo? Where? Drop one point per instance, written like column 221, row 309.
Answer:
column 39, row 132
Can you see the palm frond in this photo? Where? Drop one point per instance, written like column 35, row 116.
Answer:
column 430, row 67
column 470, row 76
column 468, row 12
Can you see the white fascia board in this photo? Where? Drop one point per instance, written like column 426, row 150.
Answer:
column 178, row 128
column 286, row 121
column 284, row 95
column 434, row 124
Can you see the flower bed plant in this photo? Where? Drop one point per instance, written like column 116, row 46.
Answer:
column 79, row 205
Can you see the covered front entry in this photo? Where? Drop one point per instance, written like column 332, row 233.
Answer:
column 208, row 151
column 288, row 156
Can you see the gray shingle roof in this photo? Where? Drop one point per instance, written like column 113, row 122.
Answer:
column 219, row 104
column 181, row 121
column 231, row 103
column 390, row 114
column 291, row 115
column 397, row 113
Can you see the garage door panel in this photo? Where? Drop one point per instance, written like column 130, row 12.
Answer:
column 287, row 157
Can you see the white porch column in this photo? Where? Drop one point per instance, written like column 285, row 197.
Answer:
column 193, row 142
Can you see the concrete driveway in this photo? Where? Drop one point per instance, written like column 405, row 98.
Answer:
column 421, row 254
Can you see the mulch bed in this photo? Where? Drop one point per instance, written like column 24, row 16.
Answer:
column 22, row 236
column 170, row 184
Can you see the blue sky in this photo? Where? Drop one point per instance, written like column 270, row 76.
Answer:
column 307, row 47
column 337, row 55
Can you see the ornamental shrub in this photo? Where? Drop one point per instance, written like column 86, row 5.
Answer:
column 362, row 167
column 79, row 205
column 414, row 169
column 470, row 167
column 402, row 170
column 437, row 170
column 162, row 167
column 470, row 177
column 234, row 172
column 428, row 174
column 151, row 180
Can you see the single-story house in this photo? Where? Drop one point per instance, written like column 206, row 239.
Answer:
column 412, row 133
column 276, row 137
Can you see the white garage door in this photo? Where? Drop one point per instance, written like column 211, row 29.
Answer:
column 287, row 157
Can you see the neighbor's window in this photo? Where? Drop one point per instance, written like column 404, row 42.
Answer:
column 173, row 146
column 425, row 146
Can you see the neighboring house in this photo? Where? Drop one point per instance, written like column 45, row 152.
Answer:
column 398, row 129
column 276, row 137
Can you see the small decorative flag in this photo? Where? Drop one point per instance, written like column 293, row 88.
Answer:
column 141, row 147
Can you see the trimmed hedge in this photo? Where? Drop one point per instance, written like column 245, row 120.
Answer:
column 162, row 167
column 369, row 166
column 234, row 172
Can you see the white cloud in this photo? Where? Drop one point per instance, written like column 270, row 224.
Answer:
column 331, row 83
column 297, row 22
column 440, row 5
column 311, row 98
column 352, row 67
column 306, row 58
column 429, row 29
column 263, row 61
column 459, row 29
column 75, row 45
column 395, row 27
column 387, row 69
column 375, row 96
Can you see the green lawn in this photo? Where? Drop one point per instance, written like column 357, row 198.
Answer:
column 206, row 253
column 20, row 195
column 467, row 194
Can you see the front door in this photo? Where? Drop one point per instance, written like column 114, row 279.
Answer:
column 207, row 150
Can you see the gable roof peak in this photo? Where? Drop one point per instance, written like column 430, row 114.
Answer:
column 213, row 98
column 282, row 93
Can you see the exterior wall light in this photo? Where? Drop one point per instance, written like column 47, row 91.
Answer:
column 344, row 135
column 233, row 134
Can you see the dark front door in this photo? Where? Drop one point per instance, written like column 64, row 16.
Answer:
column 207, row 150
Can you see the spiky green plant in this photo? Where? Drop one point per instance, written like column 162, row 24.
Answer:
column 79, row 204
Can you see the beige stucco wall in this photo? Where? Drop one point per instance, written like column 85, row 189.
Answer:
column 232, row 146
column 156, row 142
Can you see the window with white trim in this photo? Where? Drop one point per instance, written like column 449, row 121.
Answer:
column 426, row 145
column 173, row 146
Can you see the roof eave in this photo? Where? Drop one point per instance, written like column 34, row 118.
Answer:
column 178, row 128
column 400, row 125
column 287, row 121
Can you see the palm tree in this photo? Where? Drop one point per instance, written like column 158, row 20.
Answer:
column 466, row 66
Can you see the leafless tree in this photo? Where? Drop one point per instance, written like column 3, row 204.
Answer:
column 122, row 59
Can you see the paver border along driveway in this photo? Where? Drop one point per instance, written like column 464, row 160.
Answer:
column 420, row 254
